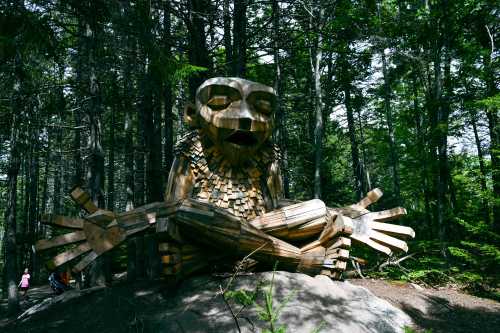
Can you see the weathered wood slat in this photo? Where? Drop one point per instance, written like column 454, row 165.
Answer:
column 68, row 238
column 393, row 229
column 388, row 240
column 69, row 255
column 63, row 221
column 85, row 262
column 370, row 198
column 102, row 217
column 83, row 199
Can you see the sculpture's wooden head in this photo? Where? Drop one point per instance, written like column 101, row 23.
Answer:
column 235, row 114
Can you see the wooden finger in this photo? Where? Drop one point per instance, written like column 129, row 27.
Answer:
column 62, row 221
column 340, row 242
column 388, row 240
column 68, row 238
column 341, row 254
column 83, row 199
column 85, row 262
column 101, row 217
column 392, row 228
column 310, row 246
column 372, row 244
column 69, row 255
column 388, row 215
column 370, row 198
column 335, row 264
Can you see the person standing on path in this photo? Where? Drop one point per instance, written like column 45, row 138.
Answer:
column 25, row 282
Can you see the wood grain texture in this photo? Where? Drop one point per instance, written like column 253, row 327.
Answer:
column 61, row 240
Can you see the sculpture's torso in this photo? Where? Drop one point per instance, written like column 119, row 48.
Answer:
column 246, row 190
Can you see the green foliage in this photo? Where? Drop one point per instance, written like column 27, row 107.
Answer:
column 262, row 298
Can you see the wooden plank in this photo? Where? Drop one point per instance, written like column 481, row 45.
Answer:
column 370, row 198
column 68, row 238
column 102, row 217
column 83, row 199
column 337, row 254
column 85, row 262
column 69, row 255
column 389, row 241
column 101, row 239
column 63, row 221
column 388, row 215
column 340, row 242
column 366, row 240
column 392, row 228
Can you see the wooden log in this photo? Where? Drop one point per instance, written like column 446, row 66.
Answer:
column 370, row 198
column 83, row 199
column 103, row 239
column 388, row 215
column 85, row 262
column 392, row 229
column 69, row 255
column 389, row 241
column 290, row 217
column 337, row 254
column 101, row 217
column 63, row 221
column 340, row 242
column 366, row 240
column 68, row 238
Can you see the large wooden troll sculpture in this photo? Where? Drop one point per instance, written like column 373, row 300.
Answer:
column 224, row 200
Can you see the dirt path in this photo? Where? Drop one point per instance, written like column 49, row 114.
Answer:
column 441, row 310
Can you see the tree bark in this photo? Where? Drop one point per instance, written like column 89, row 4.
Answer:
column 228, row 45
column 280, row 133
column 240, row 38
column 316, row 58
column 198, row 51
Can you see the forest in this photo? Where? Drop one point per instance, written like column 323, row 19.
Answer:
column 399, row 95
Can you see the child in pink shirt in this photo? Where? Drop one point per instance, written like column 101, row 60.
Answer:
column 25, row 282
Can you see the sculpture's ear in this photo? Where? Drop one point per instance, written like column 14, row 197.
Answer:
column 191, row 116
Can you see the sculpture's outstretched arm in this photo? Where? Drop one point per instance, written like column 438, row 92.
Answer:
column 201, row 223
column 312, row 218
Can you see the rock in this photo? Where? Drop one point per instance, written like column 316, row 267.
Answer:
column 313, row 303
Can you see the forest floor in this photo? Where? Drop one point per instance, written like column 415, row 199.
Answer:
column 124, row 307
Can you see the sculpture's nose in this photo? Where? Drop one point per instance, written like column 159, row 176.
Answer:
column 246, row 116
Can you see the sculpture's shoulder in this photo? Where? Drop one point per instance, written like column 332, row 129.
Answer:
column 188, row 144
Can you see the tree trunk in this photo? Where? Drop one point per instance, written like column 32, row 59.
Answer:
column 359, row 180
column 393, row 153
column 111, row 161
column 228, row 46
column 240, row 38
column 11, row 269
column 494, row 130
column 280, row 133
column 198, row 51
column 482, row 169
column 95, row 174
column 316, row 58
column 168, row 148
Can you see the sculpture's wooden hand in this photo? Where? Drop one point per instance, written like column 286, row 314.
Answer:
column 98, row 232
column 370, row 227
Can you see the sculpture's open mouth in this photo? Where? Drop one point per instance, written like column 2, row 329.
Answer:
column 242, row 138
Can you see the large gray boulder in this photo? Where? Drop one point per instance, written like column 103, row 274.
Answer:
column 313, row 303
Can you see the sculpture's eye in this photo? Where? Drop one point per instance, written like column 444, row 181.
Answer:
column 218, row 103
column 263, row 106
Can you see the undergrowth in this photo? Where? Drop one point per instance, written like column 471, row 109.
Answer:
column 471, row 264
